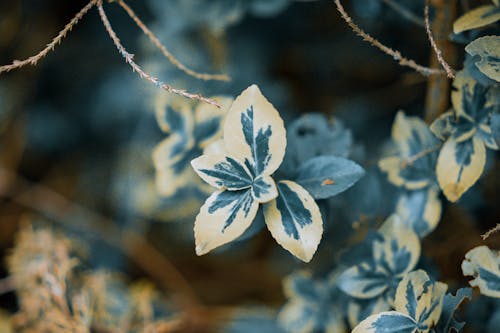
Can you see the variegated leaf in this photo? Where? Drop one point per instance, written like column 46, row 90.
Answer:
column 413, row 168
column 420, row 210
column 174, row 114
column 443, row 126
column 460, row 164
column 363, row 281
column 387, row 322
column 447, row 322
column 223, row 172
column 399, row 251
column 254, row 132
column 484, row 265
column 421, row 299
column 487, row 49
column 495, row 128
column 476, row 18
column 223, row 218
column 326, row 176
column 294, row 220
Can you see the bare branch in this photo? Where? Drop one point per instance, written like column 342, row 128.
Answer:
column 166, row 53
column 491, row 231
column 129, row 59
column 387, row 50
column 447, row 68
column 33, row 60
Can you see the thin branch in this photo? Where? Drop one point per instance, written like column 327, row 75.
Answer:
column 166, row 53
column 412, row 159
column 447, row 68
column 129, row 59
column 408, row 14
column 387, row 50
column 33, row 60
column 488, row 233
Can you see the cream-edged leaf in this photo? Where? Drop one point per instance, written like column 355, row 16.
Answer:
column 359, row 310
column 421, row 210
column 387, row 322
column 208, row 119
column 264, row 189
column 222, row 172
column 460, row 164
column 294, row 220
column 484, row 265
column 476, row 18
column 420, row 298
column 487, row 49
column 223, row 218
column 442, row 127
column 173, row 113
column 255, row 133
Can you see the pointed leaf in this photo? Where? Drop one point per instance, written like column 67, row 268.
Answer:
column 264, row 189
column 326, row 176
column 387, row 322
column 476, row 18
column 443, row 127
column 460, row 164
column 484, row 265
column 448, row 322
column 294, row 220
column 222, row 172
column 223, row 218
column 254, row 132
column 359, row 310
column 420, row 298
column 420, row 210
column 487, row 49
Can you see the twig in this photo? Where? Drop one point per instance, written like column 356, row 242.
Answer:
column 129, row 59
column 447, row 68
column 33, row 60
column 6, row 285
column 387, row 50
column 55, row 206
column 408, row 14
column 488, row 233
column 166, row 53
column 412, row 159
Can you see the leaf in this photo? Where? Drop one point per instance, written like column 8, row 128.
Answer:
column 443, row 126
column 174, row 114
column 223, row 218
column 459, row 166
column 254, row 132
column 222, row 172
column 399, row 250
column 387, row 322
column 476, row 18
column 313, row 135
column 294, row 220
column 326, row 176
column 484, row 265
column 363, row 281
column 420, row 210
column 413, row 167
column 245, row 319
column 208, row 120
column 358, row 310
column 420, row 298
column 487, row 49
column 448, row 323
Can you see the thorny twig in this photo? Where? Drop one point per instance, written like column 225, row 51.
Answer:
column 412, row 159
column 488, row 233
column 439, row 55
column 387, row 50
column 405, row 12
column 128, row 56
column 33, row 60
column 129, row 59
column 166, row 53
